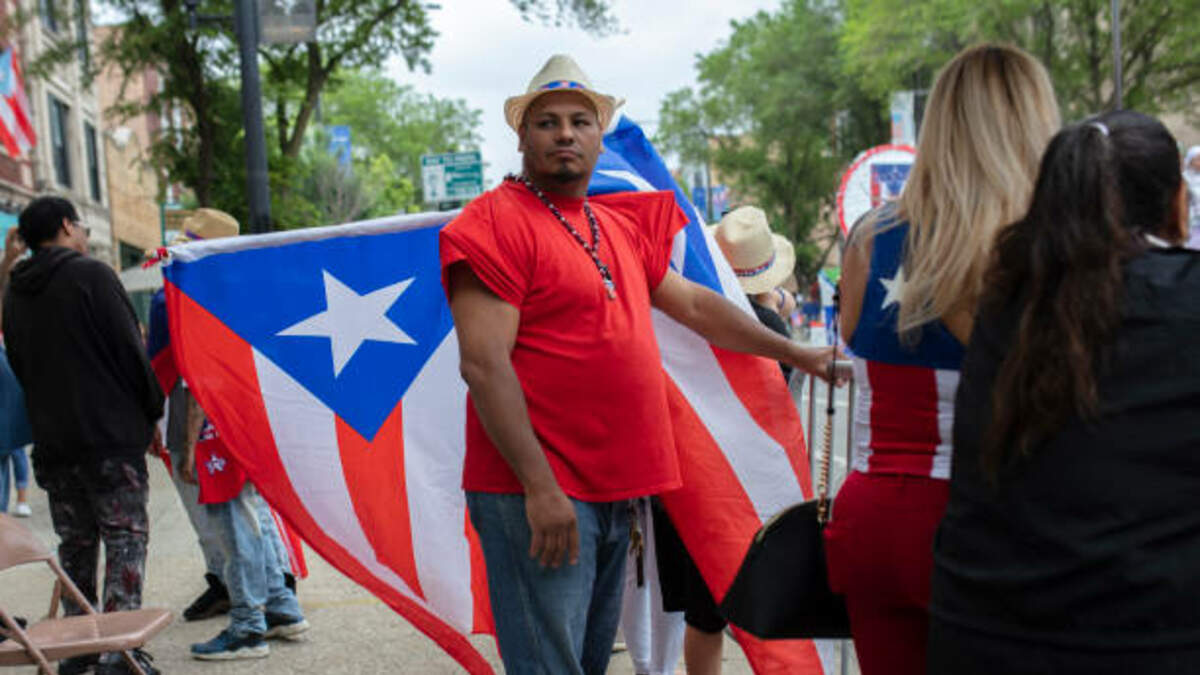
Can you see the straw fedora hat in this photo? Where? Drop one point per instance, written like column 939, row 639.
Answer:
column 205, row 223
column 761, row 259
column 560, row 73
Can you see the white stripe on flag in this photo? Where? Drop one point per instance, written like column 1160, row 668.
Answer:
column 306, row 438
column 435, row 417
column 761, row 464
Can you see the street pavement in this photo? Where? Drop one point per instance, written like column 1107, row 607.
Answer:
column 352, row 631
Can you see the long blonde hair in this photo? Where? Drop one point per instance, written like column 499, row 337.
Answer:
column 987, row 121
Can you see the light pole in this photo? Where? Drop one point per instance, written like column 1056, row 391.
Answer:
column 1118, row 87
column 245, row 20
column 246, row 29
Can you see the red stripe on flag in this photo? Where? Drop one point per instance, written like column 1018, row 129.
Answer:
column 21, row 103
column 6, row 138
column 221, row 370
column 760, row 386
column 376, row 470
column 483, row 622
column 716, row 521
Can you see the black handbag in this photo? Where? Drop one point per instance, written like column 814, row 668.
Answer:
column 782, row 587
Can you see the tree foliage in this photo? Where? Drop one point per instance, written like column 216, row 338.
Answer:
column 776, row 116
column 892, row 46
column 197, row 69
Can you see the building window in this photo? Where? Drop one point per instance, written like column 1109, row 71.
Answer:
column 81, row 34
column 93, row 160
column 49, row 15
column 59, row 114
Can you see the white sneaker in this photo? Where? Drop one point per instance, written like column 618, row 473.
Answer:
column 22, row 510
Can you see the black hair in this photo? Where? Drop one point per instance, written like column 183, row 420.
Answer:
column 1104, row 184
column 42, row 218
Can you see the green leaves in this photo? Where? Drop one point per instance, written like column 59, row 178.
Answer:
column 766, row 115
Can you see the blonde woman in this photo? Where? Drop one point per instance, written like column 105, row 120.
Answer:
column 910, row 283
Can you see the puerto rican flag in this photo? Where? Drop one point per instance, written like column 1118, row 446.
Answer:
column 16, row 132
column 327, row 360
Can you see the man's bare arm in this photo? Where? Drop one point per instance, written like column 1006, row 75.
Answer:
column 487, row 332
column 193, row 423
column 725, row 325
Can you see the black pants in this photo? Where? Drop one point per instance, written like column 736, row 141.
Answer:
column 100, row 501
column 683, row 588
column 954, row 650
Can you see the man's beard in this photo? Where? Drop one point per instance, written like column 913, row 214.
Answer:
column 566, row 175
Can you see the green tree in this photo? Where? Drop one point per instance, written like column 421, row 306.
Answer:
column 774, row 113
column 197, row 70
column 891, row 46
column 387, row 118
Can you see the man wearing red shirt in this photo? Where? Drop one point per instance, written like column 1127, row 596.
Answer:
column 551, row 293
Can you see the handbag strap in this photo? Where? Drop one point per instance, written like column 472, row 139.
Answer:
column 823, row 500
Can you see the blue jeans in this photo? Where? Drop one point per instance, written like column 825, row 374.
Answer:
column 20, row 473
column 243, row 527
column 553, row 621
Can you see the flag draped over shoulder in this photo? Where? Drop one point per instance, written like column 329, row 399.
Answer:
column 328, row 361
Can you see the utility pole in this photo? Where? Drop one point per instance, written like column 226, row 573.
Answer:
column 245, row 19
column 246, row 29
column 1118, row 88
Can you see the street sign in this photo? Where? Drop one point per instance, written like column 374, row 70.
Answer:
column 452, row 176
column 339, row 144
column 287, row 21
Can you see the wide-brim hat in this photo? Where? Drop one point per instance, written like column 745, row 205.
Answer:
column 560, row 73
column 206, row 223
column 760, row 258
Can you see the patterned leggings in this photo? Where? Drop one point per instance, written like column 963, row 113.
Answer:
column 95, row 502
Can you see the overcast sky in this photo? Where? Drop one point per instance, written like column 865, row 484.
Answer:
column 486, row 53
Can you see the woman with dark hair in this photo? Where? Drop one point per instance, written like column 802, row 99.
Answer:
column 1071, row 542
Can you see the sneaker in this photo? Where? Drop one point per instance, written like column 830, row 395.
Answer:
column 22, row 510
column 212, row 602
column 77, row 665
column 112, row 663
column 285, row 627
column 229, row 646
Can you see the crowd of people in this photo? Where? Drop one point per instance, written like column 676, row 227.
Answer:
column 1019, row 320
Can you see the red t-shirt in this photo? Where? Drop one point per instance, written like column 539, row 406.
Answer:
column 589, row 366
column 221, row 477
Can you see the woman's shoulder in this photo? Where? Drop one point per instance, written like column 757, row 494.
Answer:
column 1164, row 279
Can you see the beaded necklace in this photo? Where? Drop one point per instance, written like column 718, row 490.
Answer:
column 592, row 249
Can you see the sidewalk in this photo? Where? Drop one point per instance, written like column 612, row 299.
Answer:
column 352, row 631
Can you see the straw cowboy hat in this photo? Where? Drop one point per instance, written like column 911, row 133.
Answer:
column 761, row 259
column 207, row 223
column 560, row 73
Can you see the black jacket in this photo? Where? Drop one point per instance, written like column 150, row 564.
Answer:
column 73, row 342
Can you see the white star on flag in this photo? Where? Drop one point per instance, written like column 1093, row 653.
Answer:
column 894, row 287
column 351, row 319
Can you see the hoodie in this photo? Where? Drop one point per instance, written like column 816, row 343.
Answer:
column 73, row 342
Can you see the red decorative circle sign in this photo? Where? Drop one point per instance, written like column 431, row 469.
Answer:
column 876, row 176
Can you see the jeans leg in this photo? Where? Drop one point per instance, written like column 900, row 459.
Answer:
column 236, row 524
column 274, row 538
column 612, row 550
column 541, row 612
column 75, row 524
column 119, row 496
column 20, row 467
column 5, row 459
column 280, row 600
column 206, row 534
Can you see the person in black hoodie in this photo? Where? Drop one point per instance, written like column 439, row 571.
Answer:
column 73, row 343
